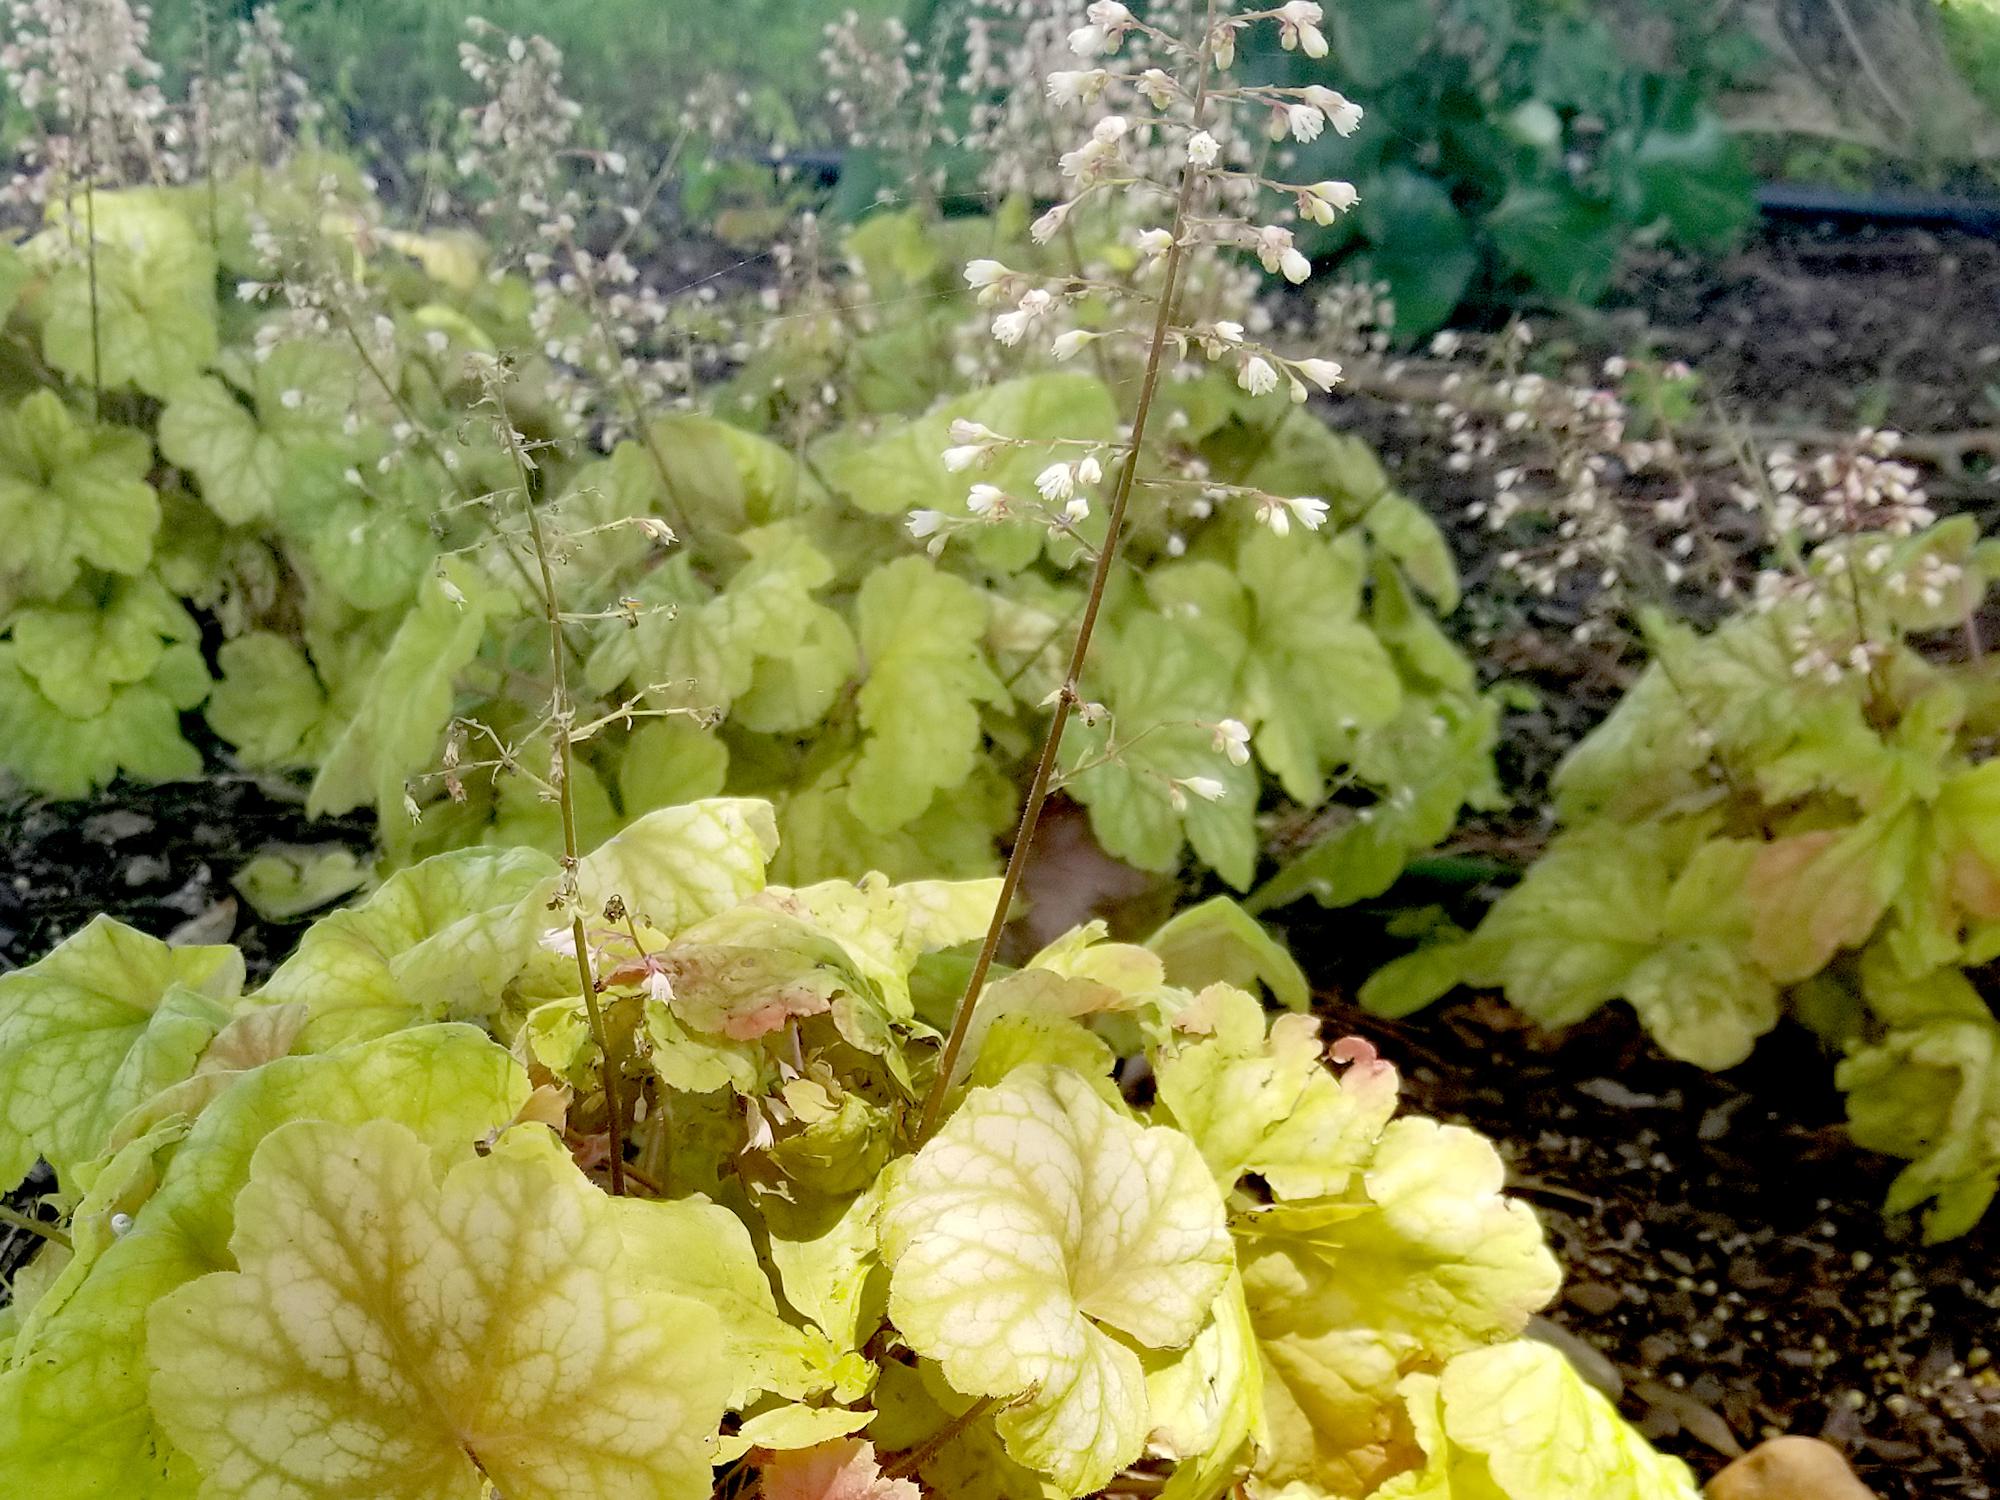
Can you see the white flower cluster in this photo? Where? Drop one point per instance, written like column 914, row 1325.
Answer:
column 1855, row 488
column 252, row 114
column 1170, row 115
column 1608, row 503
column 80, row 69
column 887, row 94
column 569, row 212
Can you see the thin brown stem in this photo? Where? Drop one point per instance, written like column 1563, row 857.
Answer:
column 906, row 1464
column 90, row 256
column 1067, row 697
column 561, row 716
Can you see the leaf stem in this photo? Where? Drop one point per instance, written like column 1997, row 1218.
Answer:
column 906, row 1464
column 49, row 1232
column 1066, row 696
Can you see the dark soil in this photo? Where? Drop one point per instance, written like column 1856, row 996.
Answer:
column 159, row 858
column 1833, row 327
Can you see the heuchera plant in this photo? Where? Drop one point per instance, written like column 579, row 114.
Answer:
column 1789, row 814
column 250, row 406
column 348, row 1234
column 883, row 1215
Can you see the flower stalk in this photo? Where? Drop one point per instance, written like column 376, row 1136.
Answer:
column 1067, row 696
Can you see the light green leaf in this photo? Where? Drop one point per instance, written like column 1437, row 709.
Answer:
column 902, row 468
column 825, row 840
column 138, row 734
column 726, row 476
column 1218, row 942
column 922, row 632
column 1348, row 1293
column 1566, row 939
column 1730, row 698
column 788, row 1428
column 1316, row 673
column 109, row 1018
column 1207, row 1402
column 72, row 493
column 253, row 1038
column 140, row 309
column 84, row 648
column 87, row 1373
column 268, row 702
column 1520, row 1414
column 829, row 1267
column 1166, row 686
column 284, row 882
column 396, row 729
column 1401, row 529
column 676, row 866
column 1436, row 758
column 273, row 443
column 415, row 1363
column 439, row 941
column 670, row 761
column 1269, row 1105
column 1704, row 1002
column 702, row 1251
column 1405, row 985
column 1034, row 1241
column 703, row 650
column 1931, row 1093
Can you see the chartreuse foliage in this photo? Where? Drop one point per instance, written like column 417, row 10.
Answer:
column 340, row 1236
column 1746, row 838
column 304, row 493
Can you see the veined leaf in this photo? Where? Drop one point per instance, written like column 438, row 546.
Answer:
column 1515, row 1422
column 138, row 733
column 922, row 634
column 414, row 1362
column 1036, row 1239
column 1269, row 1105
column 140, row 308
column 285, row 447
column 268, row 702
column 1166, row 686
column 408, row 703
column 87, row 1371
column 1346, row 1293
column 678, row 865
column 439, row 941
